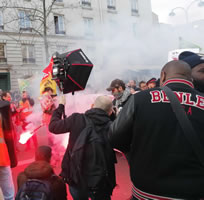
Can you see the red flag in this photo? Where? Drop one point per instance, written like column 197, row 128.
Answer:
column 47, row 79
column 48, row 70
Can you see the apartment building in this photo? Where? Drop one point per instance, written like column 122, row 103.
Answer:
column 29, row 28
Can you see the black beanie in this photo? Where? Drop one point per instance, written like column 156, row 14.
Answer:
column 191, row 58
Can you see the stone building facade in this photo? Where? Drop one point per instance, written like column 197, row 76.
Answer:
column 70, row 24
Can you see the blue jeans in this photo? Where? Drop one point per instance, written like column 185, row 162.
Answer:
column 79, row 194
column 6, row 183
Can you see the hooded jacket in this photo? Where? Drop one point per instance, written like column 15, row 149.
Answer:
column 75, row 124
column 42, row 170
column 121, row 101
column 162, row 161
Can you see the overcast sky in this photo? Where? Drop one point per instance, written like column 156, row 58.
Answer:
column 163, row 7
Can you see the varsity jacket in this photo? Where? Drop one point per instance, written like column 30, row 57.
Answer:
column 161, row 159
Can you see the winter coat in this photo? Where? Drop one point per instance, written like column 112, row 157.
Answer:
column 7, row 132
column 162, row 161
column 75, row 124
column 42, row 170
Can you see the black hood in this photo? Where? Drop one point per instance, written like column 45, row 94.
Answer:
column 98, row 116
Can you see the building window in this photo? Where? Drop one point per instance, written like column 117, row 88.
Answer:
column 59, row 24
column 88, row 26
column 134, row 7
column 111, row 4
column 86, row 3
column 25, row 22
column 28, row 53
column 2, row 53
column 1, row 21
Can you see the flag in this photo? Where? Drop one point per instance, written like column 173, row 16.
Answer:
column 47, row 79
column 25, row 83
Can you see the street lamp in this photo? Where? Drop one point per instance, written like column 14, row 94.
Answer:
column 172, row 13
column 201, row 3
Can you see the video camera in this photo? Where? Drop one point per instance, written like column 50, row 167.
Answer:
column 71, row 70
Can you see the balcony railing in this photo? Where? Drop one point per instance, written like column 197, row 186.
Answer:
column 135, row 12
column 86, row 3
column 3, row 60
column 27, row 29
column 59, row 32
column 111, row 7
column 28, row 60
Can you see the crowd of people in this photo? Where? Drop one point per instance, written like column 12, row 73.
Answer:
column 141, row 122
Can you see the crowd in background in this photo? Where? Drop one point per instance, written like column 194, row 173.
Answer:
column 139, row 122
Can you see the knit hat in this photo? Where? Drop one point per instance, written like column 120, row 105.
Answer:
column 152, row 80
column 191, row 58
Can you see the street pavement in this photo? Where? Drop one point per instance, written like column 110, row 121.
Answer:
column 121, row 192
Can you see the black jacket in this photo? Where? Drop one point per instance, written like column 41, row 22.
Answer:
column 161, row 159
column 75, row 124
column 8, row 129
column 43, row 171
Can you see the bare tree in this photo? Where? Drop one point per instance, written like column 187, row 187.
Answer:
column 37, row 12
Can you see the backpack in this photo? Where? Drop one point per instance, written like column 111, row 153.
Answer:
column 85, row 165
column 34, row 189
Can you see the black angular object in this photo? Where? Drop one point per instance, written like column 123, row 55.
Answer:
column 72, row 70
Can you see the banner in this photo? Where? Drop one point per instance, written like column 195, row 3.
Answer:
column 173, row 55
column 25, row 83
column 47, row 79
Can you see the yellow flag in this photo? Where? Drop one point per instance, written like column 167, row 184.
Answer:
column 47, row 79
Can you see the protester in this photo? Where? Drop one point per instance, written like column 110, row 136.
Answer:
column 120, row 93
column 162, row 161
column 47, row 105
column 25, row 108
column 151, row 83
column 96, row 188
column 132, row 84
column 197, row 65
column 7, row 151
column 143, row 85
column 6, row 96
column 132, row 87
column 41, row 169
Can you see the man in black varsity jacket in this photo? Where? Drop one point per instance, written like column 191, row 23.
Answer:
column 162, row 162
